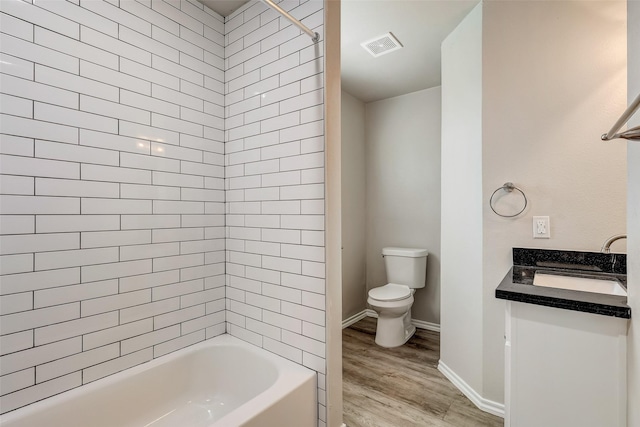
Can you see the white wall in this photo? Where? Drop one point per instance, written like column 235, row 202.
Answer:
column 403, row 188
column 633, row 217
column 354, row 286
column 552, row 84
column 461, row 251
column 112, row 189
column 274, row 154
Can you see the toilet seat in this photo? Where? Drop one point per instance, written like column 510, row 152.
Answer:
column 390, row 292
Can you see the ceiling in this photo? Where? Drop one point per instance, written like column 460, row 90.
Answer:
column 223, row 7
column 419, row 25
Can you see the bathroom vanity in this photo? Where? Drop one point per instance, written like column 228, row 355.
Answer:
column 565, row 339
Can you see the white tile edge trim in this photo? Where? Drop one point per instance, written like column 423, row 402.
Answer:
column 421, row 324
column 483, row 404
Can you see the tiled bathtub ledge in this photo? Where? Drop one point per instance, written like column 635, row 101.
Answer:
column 518, row 286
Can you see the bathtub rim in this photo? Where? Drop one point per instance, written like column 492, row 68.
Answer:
column 288, row 371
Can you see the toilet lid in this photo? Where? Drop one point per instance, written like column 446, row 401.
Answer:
column 390, row 292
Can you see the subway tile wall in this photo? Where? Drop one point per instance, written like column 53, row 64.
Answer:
column 274, row 181
column 112, row 235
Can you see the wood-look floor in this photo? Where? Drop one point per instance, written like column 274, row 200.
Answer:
column 401, row 387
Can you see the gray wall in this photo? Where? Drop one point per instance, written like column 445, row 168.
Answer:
column 548, row 92
column 543, row 114
column 403, row 188
column 354, row 291
column 391, row 193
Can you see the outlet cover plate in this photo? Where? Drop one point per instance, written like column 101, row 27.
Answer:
column 541, row 227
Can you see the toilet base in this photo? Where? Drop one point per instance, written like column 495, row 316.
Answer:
column 394, row 321
column 409, row 333
column 393, row 332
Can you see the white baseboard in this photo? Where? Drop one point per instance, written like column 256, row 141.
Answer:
column 353, row 319
column 486, row 405
column 420, row 324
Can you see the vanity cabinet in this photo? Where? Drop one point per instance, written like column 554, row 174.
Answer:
column 564, row 368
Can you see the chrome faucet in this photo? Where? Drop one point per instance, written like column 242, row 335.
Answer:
column 606, row 246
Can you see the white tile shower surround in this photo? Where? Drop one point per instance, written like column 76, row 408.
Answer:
column 162, row 183
column 274, row 181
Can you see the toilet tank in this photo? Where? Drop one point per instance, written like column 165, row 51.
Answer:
column 406, row 266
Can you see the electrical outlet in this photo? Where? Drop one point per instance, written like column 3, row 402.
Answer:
column 541, row 227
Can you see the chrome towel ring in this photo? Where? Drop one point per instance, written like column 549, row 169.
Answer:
column 508, row 187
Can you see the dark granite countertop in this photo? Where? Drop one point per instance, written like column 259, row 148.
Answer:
column 518, row 286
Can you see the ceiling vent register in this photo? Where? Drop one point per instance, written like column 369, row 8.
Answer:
column 382, row 45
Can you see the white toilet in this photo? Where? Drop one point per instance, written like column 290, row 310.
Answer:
column 406, row 272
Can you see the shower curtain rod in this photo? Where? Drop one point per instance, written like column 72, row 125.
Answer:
column 314, row 36
column 633, row 133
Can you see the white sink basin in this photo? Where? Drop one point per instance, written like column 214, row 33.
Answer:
column 600, row 286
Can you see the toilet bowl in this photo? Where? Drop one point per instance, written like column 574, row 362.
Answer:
column 406, row 268
column 393, row 304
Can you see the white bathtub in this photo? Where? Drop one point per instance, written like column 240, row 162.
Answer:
column 222, row 382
